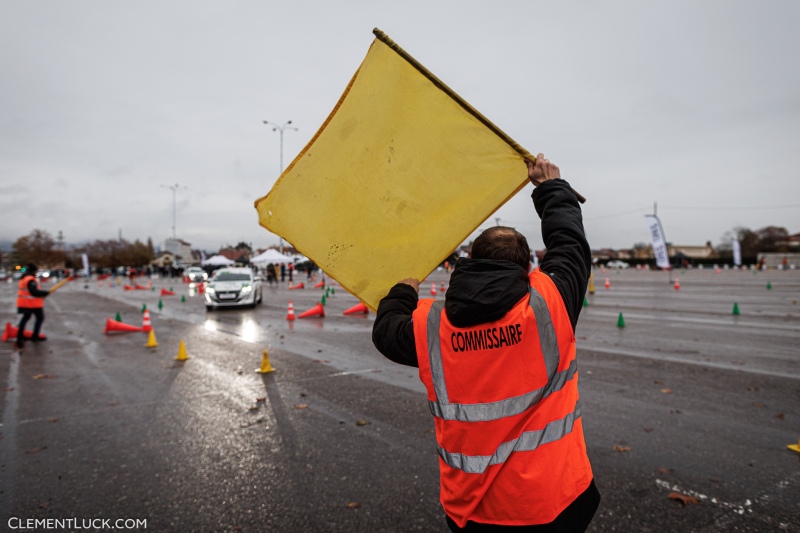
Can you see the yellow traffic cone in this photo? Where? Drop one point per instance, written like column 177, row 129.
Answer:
column 794, row 447
column 182, row 352
column 266, row 367
column 151, row 340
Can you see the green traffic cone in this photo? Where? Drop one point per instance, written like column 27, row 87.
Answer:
column 735, row 308
column 620, row 321
column 585, row 302
column 769, row 285
column 328, row 291
column 183, row 298
column 144, row 308
column 160, row 304
column 333, row 290
column 323, row 300
column 118, row 318
column 152, row 289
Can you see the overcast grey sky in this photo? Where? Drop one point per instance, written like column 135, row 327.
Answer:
column 691, row 104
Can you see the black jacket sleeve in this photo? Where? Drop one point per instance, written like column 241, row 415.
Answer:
column 568, row 258
column 35, row 291
column 393, row 330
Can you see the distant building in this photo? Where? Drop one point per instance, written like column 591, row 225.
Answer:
column 180, row 250
column 163, row 259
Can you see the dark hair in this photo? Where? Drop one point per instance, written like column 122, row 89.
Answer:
column 501, row 242
column 31, row 268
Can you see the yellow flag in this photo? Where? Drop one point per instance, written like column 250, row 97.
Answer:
column 400, row 173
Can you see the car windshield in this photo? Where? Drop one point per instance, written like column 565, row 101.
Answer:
column 231, row 276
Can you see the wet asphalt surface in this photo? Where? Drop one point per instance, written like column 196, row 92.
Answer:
column 686, row 398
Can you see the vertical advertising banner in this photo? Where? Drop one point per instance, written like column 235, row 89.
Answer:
column 658, row 240
column 85, row 261
column 737, row 253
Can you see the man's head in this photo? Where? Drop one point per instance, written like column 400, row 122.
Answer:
column 31, row 269
column 501, row 242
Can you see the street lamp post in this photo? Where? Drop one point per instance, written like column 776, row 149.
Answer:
column 275, row 127
column 174, row 189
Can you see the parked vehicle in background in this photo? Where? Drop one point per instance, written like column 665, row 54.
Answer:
column 231, row 287
column 615, row 263
column 195, row 274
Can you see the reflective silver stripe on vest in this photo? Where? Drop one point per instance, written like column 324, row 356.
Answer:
column 528, row 441
column 483, row 412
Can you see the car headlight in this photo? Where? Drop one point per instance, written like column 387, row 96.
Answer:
column 247, row 288
column 210, row 289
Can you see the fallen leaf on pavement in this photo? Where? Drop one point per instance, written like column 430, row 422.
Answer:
column 361, row 422
column 37, row 449
column 618, row 448
column 353, row 505
column 666, row 391
column 43, row 376
column 301, row 406
column 779, row 416
column 663, row 470
column 685, row 499
column 54, row 419
column 758, row 404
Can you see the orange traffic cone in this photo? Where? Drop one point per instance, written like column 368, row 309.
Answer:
column 317, row 310
column 290, row 313
column 146, row 325
column 128, row 288
column 433, row 289
column 11, row 332
column 201, row 288
column 677, row 284
column 358, row 308
column 442, row 287
column 165, row 292
column 607, row 284
column 113, row 325
column 320, row 285
column 300, row 285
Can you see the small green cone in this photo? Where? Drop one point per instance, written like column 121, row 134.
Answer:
column 735, row 308
column 769, row 285
column 585, row 302
column 323, row 300
column 327, row 292
column 620, row 321
column 144, row 308
column 183, row 298
column 118, row 318
column 152, row 289
column 160, row 304
column 333, row 290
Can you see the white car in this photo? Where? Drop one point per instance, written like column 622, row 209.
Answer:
column 195, row 274
column 232, row 287
column 617, row 264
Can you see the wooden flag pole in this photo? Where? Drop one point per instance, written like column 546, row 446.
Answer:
column 463, row 103
column 60, row 284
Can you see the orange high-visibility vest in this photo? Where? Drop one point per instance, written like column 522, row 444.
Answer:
column 504, row 396
column 25, row 300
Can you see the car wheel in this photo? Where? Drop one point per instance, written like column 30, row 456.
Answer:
column 209, row 308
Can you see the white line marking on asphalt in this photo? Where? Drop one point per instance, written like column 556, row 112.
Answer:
column 670, row 359
column 347, row 373
column 747, row 507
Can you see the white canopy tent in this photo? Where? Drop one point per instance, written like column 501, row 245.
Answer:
column 272, row 256
column 217, row 260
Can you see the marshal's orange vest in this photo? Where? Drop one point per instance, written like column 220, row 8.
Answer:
column 504, row 396
column 24, row 298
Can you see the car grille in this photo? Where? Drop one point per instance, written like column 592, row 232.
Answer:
column 227, row 296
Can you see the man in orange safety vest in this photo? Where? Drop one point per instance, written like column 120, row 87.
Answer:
column 498, row 361
column 30, row 302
